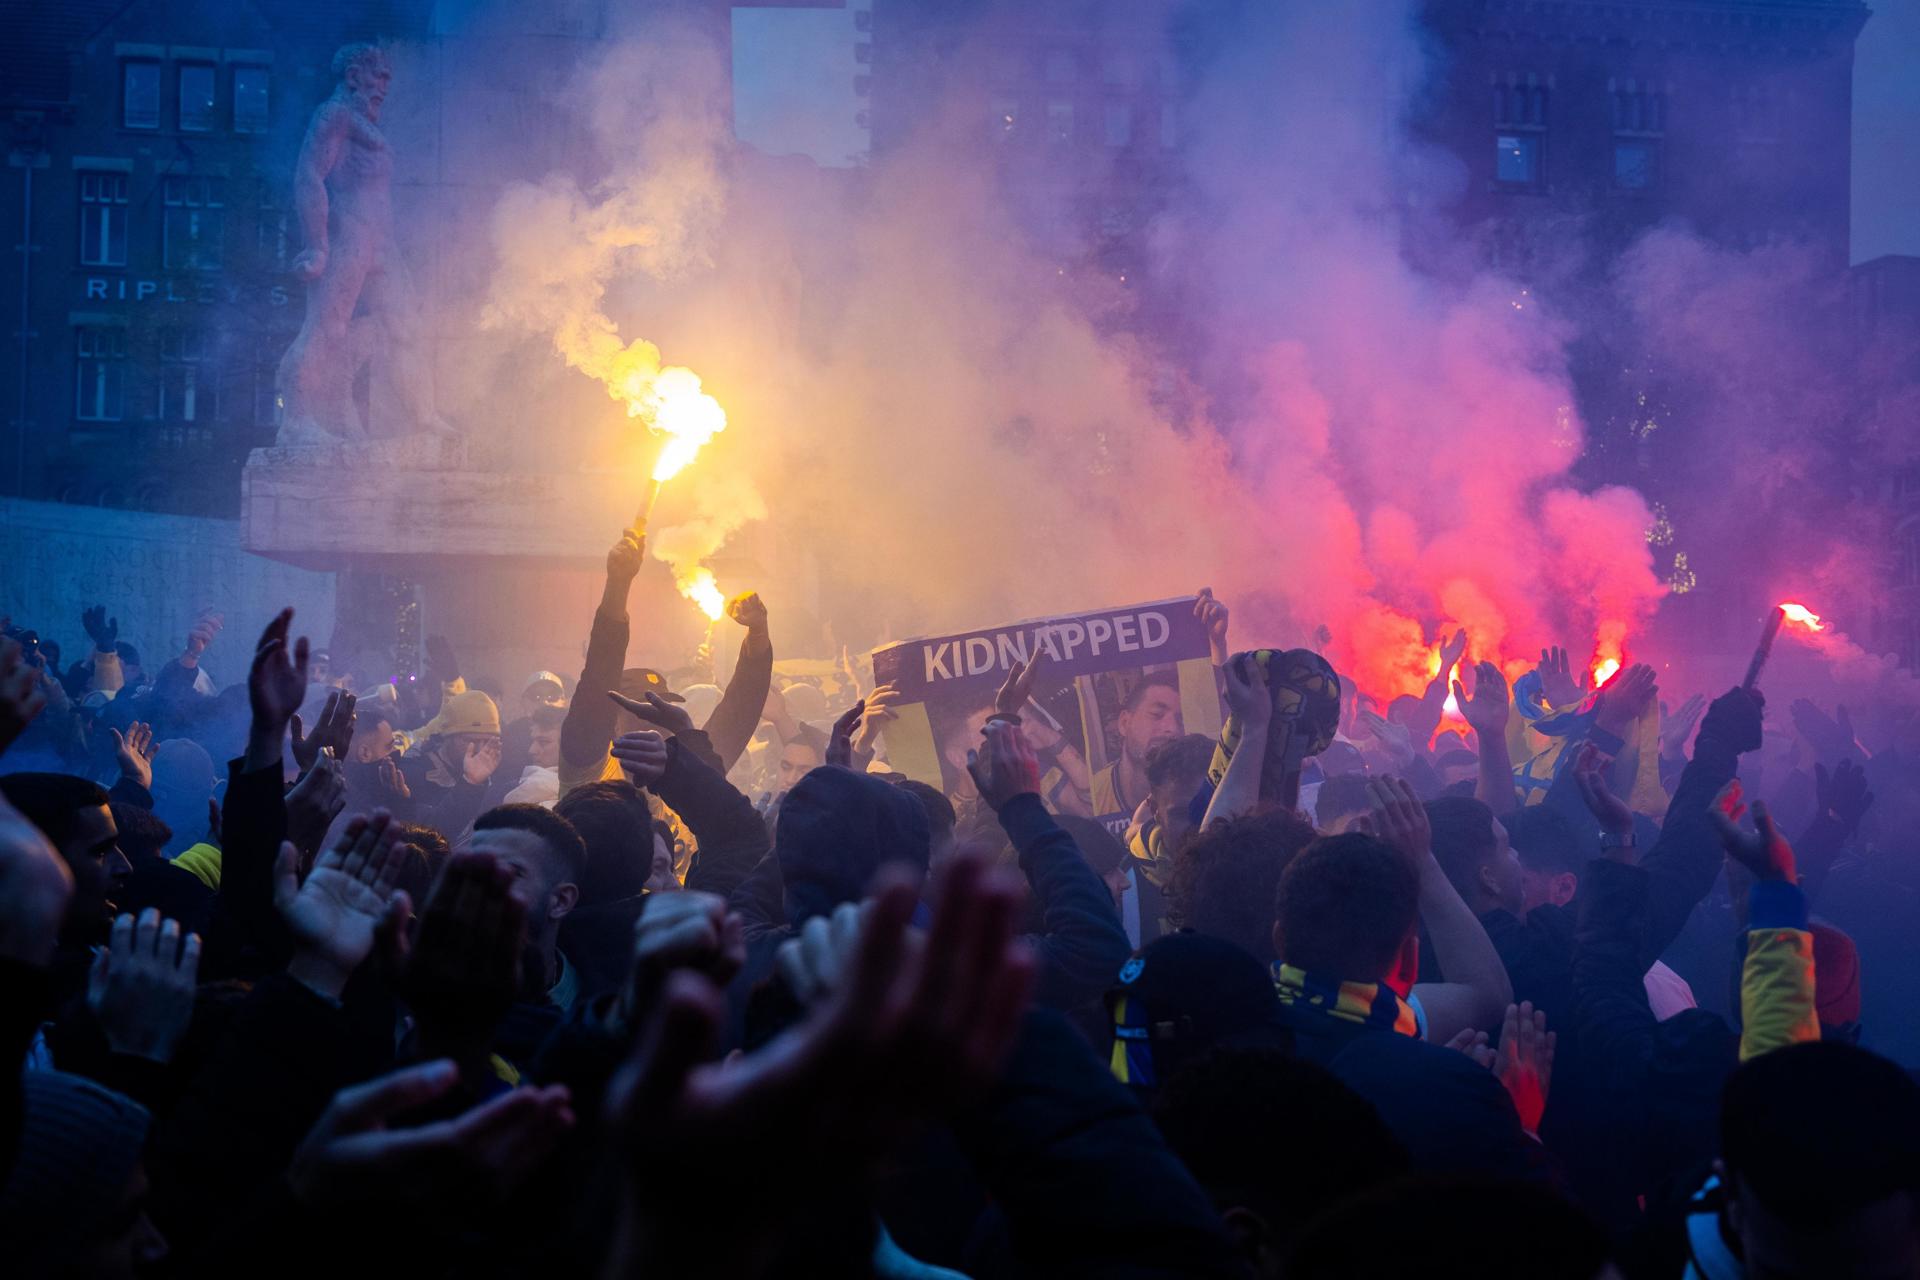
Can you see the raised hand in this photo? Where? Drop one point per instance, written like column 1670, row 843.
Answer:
column 1394, row 738
column 1590, row 776
column 643, row 754
column 1452, row 650
column 462, row 972
column 1009, row 767
column 689, row 930
column 442, row 666
column 814, row 962
column 879, row 711
column 1842, row 796
column 1763, row 851
column 141, row 987
column 917, row 1024
column 1557, row 683
column 35, row 887
column 277, row 681
column 1398, row 817
column 1488, row 708
column 625, row 556
column 314, row 802
column 1676, row 727
column 334, row 915
column 334, row 731
column 1524, row 1062
column 207, row 626
column 1830, row 736
column 1017, row 688
column 350, row 1159
column 1733, row 719
column 21, row 696
column 1247, row 694
column 670, row 717
column 1213, row 615
column 748, row 610
column 1624, row 698
column 133, row 752
column 480, row 760
column 840, row 741
column 103, row 630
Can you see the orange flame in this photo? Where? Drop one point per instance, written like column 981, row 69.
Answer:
column 1604, row 670
column 1804, row 616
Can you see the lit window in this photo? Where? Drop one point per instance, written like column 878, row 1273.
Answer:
column 1119, row 124
column 196, row 97
column 1061, row 67
column 103, row 219
column 250, row 100
column 100, row 358
column 140, row 95
column 1517, row 159
column 1059, row 122
column 194, row 223
column 1635, row 163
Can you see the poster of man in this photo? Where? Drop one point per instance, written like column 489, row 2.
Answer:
column 1110, row 687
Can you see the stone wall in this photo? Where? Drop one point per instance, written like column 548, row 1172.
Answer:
column 153, row 572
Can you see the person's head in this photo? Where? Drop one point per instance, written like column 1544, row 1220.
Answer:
column 1149, row 716
column 1341, row 759
column 543, row 742
column 615, row 823
column 1176, row 770
column 1342, row 798
column 1230, row 1114
column 142, row 833
column 543, row 689
column 372, row 732
column 637, row 683
column 74, row 816
column 183, row 781
column 545, row 855
column 805, row 702
column 1224, row 879
column 470, row 719
column 661, row 876
column 1820, row 1156
column 835, row 831
column 1101, row 850
column 941, row 819
column 320, row 667
column 1551, row 858
column 797, row 759
column 74, row 1203
column 1430, row 1225
column 1836, row 979
column 363, row 71
column 1471, row 846
column 1184, row 995
column 1346, row 910
column 422, row 852
column 130, row 668
column 1455, row 765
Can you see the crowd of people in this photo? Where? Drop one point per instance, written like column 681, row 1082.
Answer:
column 308, row 973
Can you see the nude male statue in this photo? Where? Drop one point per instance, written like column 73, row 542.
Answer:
column 342, row 193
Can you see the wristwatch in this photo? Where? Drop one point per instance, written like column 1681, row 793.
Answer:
column 1608, row 840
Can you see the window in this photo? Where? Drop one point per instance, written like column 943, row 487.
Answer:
column 1518, row 159
column 187, row 392
column 100, row 358
column 1119, row 124
column 1003, row 116
column 1061, row 66
column 250, row 100
column 103, row 219
column 1635, row 163
column 1060, row 122
column 140, row 95
column 194, row 222
column 196, row 97
column 270, row 234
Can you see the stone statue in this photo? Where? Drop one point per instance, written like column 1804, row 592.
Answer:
column 342, row 193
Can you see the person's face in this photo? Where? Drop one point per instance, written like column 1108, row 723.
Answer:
column 536, row 879
column 320, row 671
column 1116, row 882
column 1879, row 1242
column 92, row 852
column 1459, row 771
column 1155, row 720
column 797, row 760
column 367, row 80
column 543, row 747
column 1170, row 801
column 662, row 879
column 131, row 673
column 372, row 740
column 1508, row 876
column 128, row 1242
column 1544, row 888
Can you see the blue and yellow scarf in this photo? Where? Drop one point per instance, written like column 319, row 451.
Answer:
column 1370, row 1004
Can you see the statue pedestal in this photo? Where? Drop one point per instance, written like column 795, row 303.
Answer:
column 509, row 566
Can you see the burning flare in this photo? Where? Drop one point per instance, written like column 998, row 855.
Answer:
column 672, row 404
column 1804, row 616
column 697, row 584
column 1604, row 670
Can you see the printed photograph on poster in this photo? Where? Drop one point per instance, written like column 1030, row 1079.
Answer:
column 1112, row 686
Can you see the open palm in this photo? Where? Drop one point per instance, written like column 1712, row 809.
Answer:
column 334, row 912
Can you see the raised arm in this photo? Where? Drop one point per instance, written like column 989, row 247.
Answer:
column 730, row 727
column 1776, row 975
column 1487, row 711
column 1252, row 706
column 587, row 731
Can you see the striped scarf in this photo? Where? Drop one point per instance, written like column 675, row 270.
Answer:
column 1371, row 1004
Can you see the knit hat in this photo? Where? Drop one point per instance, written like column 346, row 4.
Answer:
column 835, row 830
column 469, row 712
column 1836, row 976
column 1306, row 712
column 79, row 1145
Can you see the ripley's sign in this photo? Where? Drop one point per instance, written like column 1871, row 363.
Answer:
column 204, row 292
